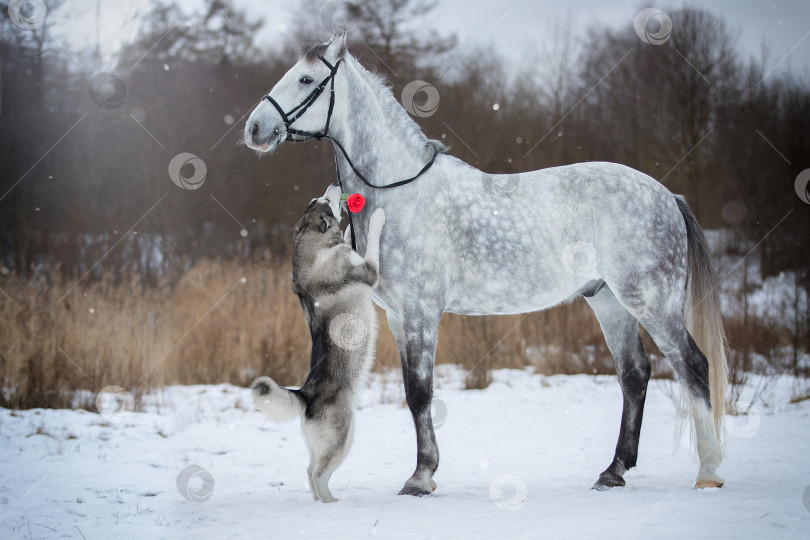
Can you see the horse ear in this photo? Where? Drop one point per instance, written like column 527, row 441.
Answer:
column 337, row 47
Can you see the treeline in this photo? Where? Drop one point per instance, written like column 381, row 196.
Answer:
column 85, row 147
column 120, row 265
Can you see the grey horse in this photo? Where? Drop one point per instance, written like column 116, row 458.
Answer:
column 462, row 241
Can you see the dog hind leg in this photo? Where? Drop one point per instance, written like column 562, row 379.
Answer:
column 328, row 445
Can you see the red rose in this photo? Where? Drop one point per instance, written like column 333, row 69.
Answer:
column 356, row 202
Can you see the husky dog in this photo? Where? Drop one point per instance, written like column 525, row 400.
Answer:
column 334, row 285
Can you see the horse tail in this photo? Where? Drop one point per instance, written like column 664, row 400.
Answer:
column 277, row 402
column 702, row 313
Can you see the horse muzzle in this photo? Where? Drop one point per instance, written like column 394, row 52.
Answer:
column 264, row 135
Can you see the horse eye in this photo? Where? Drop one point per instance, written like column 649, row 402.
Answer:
column 306, row 79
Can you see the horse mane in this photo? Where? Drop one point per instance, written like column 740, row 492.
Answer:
column 384, row 95
column 394, row 111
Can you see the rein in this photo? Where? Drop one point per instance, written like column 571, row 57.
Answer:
column 298, row 136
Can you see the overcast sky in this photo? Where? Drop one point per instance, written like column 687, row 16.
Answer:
column 512, row 26
column 782, row 24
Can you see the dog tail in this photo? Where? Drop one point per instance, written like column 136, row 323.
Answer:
column 277, row 402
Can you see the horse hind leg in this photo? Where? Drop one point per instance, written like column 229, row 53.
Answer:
column 692, row 369
column 623, row 339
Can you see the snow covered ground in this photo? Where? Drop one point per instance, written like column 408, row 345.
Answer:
column 772, row 299
column 517, row 461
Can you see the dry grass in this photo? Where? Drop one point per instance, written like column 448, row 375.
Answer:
column 230, row 322
column 210, row 328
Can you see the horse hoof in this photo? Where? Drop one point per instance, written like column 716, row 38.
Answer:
column 703, row 484
column 413, row 490
column 608, row 480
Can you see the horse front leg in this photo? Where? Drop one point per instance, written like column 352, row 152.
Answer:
column 416, row 340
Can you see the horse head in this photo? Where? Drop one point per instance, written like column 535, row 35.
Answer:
column 300, row 105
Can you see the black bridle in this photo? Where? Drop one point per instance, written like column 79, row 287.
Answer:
column 298, row 136
column 296, row 112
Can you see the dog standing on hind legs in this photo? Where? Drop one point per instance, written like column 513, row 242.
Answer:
column 334, row 285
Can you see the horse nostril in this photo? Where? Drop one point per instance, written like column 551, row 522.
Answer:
column 255, row 129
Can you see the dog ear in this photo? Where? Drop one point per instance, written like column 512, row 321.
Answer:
column 323, row 224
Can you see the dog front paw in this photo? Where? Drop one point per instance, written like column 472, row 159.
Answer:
column 378, row 219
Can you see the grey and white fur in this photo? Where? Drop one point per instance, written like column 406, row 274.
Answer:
column 334, row 285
